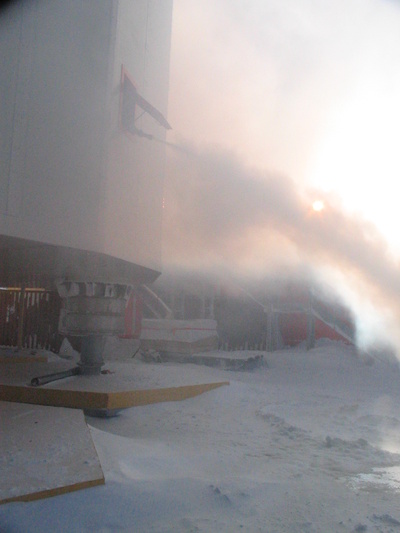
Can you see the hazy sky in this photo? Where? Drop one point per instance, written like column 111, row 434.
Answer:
column 280, row 102
column 309, row 88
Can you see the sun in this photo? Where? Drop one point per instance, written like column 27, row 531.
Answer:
column 318, row 205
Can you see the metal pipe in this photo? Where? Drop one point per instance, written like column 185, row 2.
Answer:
column 48, row 378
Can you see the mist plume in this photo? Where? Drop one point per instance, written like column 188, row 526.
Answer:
column 221, row 215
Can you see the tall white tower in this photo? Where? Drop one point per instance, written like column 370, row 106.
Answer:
column 83, row 92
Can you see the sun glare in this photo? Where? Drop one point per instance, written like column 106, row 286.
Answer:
column 318, row 205
column 358, row 160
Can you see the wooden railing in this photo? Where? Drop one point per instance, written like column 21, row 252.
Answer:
column 29, row 319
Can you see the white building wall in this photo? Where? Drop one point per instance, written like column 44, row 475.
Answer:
column 70, row 179
column 136, row 164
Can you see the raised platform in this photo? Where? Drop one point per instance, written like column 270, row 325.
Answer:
column 179, row 336
column 235, row 361
column 107, row 401
column 45, row 451
column 46, row 447
column 128, row 385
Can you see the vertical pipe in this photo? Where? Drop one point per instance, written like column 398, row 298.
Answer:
column 21, row 317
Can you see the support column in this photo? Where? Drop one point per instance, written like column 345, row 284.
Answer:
column 92, row 347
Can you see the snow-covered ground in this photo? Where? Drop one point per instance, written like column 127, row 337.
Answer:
column 308, row 443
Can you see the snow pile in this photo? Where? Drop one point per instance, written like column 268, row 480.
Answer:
column 308, row 443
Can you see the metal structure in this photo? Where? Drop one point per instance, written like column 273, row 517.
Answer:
column 84, row 89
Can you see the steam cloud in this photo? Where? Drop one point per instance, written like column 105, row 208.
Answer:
column 223, row 216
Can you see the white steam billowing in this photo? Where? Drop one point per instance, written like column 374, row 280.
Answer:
column 308, row 90
column 222, row 216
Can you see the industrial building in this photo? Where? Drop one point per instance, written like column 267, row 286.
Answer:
column 84, row 92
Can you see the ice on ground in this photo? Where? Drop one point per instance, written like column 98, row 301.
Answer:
column 290, row 447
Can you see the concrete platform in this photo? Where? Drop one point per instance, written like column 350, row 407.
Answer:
column 45, row 451
column 46, row 447
column 128, row 385
column 107, row 401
